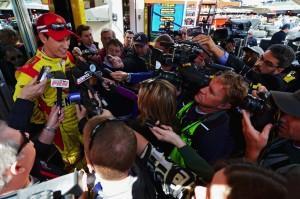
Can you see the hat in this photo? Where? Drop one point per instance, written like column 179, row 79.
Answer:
column 140, row 38
column 54, row 26
column 255, row 49
column 285, row 26
column 287, row 102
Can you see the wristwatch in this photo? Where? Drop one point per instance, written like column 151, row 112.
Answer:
column 50, row 129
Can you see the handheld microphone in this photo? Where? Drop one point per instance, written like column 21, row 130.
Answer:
column 44, row 73
column 59, row 82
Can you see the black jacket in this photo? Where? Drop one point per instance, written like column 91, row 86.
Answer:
column 271, row 82
column 278, row 37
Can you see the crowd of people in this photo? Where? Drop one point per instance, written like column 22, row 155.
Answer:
column 143, row 129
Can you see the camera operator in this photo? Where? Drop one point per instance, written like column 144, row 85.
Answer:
column 283, row 151
column 269, row 70
column 204, row 123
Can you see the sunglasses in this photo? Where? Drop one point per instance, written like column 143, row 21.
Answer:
column 60, row 26
column 25, row 139
column 99, row 127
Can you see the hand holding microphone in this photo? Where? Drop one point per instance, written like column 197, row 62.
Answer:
column 59, row 82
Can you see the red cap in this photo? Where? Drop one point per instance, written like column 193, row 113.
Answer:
column 45, row 21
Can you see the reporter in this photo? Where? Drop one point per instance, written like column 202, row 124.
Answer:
column 156, row 101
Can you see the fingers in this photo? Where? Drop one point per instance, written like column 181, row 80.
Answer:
column 156, row 133
column 77, row 107
column 266, row 131
column 246, row 118
column 90, row 94
column 33, row 81
column 165, row 127
column 61, row 116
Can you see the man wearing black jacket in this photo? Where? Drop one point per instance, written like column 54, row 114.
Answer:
column 270, row 69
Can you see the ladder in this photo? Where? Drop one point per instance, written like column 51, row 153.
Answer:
column 206, row 14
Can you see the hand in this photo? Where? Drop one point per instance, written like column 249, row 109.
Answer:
column 95, row 58
column 208, row 44
column 119, row 76
column 107, row 83
column 33, row 89
column 255, row 140
column 165, row 133
column 116, row 62
column 260, row 89
column 54, row 119
column 80, row 111
column 76, row 52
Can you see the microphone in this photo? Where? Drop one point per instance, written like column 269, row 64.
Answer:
column 82, row 77
column 59, row 82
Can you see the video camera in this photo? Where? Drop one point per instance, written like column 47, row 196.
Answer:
column 233, row 29
column 186, row 76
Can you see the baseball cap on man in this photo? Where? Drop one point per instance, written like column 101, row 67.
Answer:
column 258, row 50
column 287, row 102
column 140, row 38
column 54, row 26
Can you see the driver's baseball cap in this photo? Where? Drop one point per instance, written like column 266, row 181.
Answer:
column 54, row 26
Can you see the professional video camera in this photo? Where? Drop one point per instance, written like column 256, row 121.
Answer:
column 186, row 76
column 235, row 28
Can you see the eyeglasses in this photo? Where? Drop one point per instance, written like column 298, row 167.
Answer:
column 99, row 127
column 25, row 140
column 60, row 26
column 266, row 62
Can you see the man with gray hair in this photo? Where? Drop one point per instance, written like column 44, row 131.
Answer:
column 16, row 162
column 107, row 34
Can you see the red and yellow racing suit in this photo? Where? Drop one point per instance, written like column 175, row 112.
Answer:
column 67, row 138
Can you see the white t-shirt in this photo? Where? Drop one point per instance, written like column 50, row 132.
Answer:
column 119, row 189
